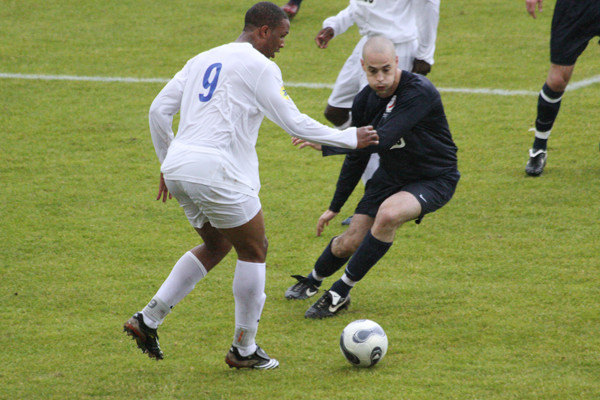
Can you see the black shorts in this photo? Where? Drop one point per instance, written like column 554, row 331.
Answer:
column 431, row 193
column 574, row 24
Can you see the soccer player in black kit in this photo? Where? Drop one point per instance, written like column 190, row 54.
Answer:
column 417, row 175
column 574, row 24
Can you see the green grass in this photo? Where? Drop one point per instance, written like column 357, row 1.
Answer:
column 495, row 296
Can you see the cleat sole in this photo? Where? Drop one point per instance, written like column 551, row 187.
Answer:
column 139, row 338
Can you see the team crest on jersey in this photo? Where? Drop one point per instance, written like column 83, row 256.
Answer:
column 390, row 105
column 283, row 93
column 388, row 108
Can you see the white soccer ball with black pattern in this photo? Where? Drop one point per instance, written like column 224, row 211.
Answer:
column 363, row 343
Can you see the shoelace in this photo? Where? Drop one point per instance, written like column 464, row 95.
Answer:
column 323, row 300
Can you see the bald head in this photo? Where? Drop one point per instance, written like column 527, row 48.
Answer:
column 379, row 45
column 380, row 63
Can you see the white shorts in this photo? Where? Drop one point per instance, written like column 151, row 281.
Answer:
column 223, row 208
column 352, row 77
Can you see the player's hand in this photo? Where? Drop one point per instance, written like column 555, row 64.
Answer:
column 324, row 221
column 162, row 190
column 421, row 67
column 531, row 5
column 301, row 143
column 366, row 136
column 323, row 37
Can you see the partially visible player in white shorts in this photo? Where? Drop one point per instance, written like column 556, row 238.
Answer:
column 410, row 24
column 222, row 208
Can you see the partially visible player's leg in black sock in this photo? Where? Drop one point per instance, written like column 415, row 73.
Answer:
column 366, row 256
column 547, row 111
column 326, row 265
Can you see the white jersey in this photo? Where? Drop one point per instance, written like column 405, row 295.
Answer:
column 223, row 95
column 399, row 20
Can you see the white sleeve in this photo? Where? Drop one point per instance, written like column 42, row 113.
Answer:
column 427, row 14
column 340, row 22
column 279, row 108
column 162, row 110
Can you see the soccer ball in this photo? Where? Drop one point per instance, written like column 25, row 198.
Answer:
column 363, row 343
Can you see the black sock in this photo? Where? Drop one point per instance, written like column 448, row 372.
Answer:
column 366, row 256
column 539, row 144
column 327, row 264
column 341, row 288
column 547, row 111
column 312, row 280
column 368, row 253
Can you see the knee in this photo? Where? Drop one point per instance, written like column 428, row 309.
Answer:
column 558, row 78
column 390, row 218
column 557, row 83
column 386, row 224
column 345, row 246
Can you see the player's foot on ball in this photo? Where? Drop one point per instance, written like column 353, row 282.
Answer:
column 347, row 221
column 146, row 338
column 328, row 305
column 537, row 162
column 301, row 290
column 290, row 9
column 257, row 360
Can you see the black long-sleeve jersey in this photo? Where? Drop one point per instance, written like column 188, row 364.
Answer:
column 415, row 142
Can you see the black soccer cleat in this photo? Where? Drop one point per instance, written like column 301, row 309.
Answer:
column 146, row 338
column 301, row 290
column 537, row 162
column 257, row 360
column 328, row 305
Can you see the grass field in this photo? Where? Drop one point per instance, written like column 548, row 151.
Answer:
column 495, row 296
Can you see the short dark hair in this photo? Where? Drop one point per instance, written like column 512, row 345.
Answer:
column 264, row 13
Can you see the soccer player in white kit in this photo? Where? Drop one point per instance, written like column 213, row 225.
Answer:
column 410, row 24
column 211, row 168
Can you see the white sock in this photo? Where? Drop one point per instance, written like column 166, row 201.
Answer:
column 317, row 276
column 249, row 294
column 542, row 135
column 184, row 276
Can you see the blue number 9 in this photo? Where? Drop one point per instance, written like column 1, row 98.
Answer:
column 210, row 84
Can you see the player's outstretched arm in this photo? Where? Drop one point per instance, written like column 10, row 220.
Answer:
column 279, row 108
column 531, row 6
column 366, row 136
